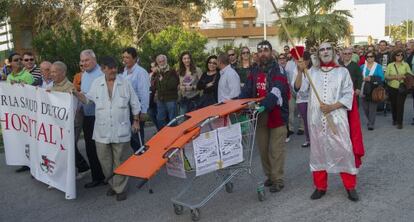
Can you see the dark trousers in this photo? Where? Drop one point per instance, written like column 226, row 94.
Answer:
column 397, row 105
column 135, row 141
column 80, row 162
column 94, row 164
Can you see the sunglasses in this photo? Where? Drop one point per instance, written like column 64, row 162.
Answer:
column 245, row 52
column 370, row 56
column 286, row 49
column 347, row 53
column 212, row 63
column 263, row 47
column 399, row 55
column 282, row 57
column 231, row 54
column 17, row 60
column 31, row 60
column 325, row 49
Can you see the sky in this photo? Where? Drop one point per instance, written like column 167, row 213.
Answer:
column 395, row 10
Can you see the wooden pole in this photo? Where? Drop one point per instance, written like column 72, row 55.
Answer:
column 328, row 117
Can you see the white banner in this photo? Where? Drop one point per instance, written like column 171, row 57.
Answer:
column 38, row 132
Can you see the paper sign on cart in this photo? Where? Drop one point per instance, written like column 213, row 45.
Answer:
column 206, row 153
column 230, row 144
column 175, row 165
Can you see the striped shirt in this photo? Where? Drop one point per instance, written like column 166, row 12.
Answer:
column 37, row 76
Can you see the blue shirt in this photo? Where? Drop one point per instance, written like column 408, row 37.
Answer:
column 86, row 82
column 139, row 79
column 377, row 72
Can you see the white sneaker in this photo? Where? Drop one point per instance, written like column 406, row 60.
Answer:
column 287, row 139
column 82, row 175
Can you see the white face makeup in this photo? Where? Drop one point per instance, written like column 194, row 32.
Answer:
column 326, row 52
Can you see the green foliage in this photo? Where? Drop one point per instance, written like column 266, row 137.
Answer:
column 314, row 21
column 172, row 42
column 4, row 5
column 400, row 32
column 65, row 44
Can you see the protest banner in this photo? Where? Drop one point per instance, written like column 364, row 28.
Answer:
column 38, row 131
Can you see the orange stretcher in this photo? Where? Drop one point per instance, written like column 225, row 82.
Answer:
column 147, row 164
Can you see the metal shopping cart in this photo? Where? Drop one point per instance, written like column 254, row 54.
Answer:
column 192, row 195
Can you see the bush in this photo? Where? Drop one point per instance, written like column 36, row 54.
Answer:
column 66, row 44
column 172, row 42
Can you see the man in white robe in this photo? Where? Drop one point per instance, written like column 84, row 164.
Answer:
column 331, row 147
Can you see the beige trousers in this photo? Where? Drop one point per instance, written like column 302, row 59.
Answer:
column 111, row 156
column 271, row 144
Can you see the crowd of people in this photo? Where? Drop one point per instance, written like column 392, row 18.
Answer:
column 111, row 103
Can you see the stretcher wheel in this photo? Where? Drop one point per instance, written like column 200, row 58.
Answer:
column 229, row 187
column 261, row 195
column 195, row 214
column 178, row 209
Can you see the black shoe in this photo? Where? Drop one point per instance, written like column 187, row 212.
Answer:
column 121, row 196
column 352, row 195
column 276, row 187
column 300, row 132
column 399, row 126
column 290, row 133
column 394, row 123
column 95, row 184
column 22, row 169
column 110, row 192
column 305, row 145
column 268, row 183
column 370, row 128
column 317, row 194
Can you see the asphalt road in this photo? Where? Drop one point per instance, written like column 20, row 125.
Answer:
column 385, row 186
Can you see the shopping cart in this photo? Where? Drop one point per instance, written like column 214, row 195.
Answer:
column 194, row 194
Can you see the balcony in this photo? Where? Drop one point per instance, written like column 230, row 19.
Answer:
column 233, row 32
column 240, row 13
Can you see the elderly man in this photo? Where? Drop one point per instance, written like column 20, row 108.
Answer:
column 265, row 80
column 32, row 68
column 62, row 84
column 166, row 85
column 229, row 83
column 115, row 99
column 19, row 75
column 353, row 69
column 333, row 150
column 139, row 79
column 92, row 72
column 47, row 81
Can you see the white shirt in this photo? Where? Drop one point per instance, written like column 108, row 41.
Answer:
column 47, row 85
column 302, row 96
column 229, row 84
column 112, row 123
column 140, row 81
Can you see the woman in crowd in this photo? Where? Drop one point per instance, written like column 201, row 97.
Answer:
column 245, row 64
column 302, row 97
column 189, row 76
column 208, row 83
column 373, row 76
column 395, row 75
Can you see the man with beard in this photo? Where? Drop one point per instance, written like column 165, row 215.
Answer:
column 265, row 80
column 333, row 150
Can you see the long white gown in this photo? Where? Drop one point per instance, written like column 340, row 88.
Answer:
column 330, row 152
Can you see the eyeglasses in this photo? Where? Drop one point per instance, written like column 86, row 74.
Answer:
column 347, row 53
column 263, row 47
column 212, row 63
column 17, row 60
column 286, row 49
column 231, row 54
column 246, row 52
column 399, row 54
column 370, row 56
column 282, row 57
column 31, row 60
column 325, row 49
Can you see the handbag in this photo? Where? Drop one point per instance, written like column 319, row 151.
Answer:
column 378, row 94
column 402, row 89
column 409, row 82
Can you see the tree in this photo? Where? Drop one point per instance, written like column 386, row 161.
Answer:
column 4, row 5
column 171, row 42
column 401, row 31
column 314, row 21
column 66, row 43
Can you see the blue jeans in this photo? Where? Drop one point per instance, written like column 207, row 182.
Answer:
column 166, row 110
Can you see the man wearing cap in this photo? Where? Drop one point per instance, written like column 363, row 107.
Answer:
column 336, row 146
column 265, row 80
